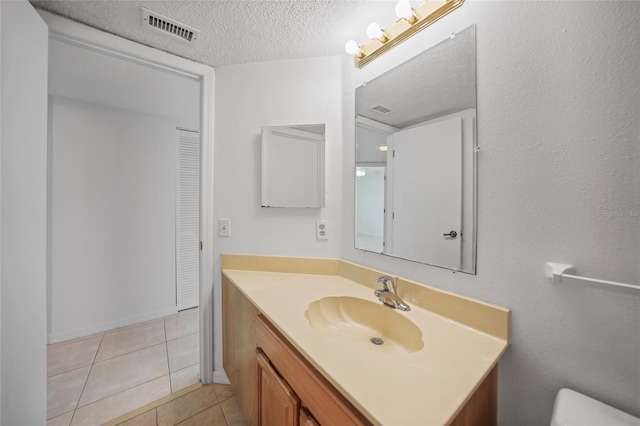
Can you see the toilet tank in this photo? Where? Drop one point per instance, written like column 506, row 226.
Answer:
column 575, row 409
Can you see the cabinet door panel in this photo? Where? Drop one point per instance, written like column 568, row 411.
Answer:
column 277, row 404
column 328, row 406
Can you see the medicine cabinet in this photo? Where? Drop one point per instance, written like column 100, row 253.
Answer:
column 293, row 166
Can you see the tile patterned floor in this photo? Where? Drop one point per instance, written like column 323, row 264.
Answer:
column 214, row 405
column 100, row 377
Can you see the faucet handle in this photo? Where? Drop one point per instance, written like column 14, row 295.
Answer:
column 384, row 279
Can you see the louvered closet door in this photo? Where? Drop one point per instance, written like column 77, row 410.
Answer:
column 188, row 219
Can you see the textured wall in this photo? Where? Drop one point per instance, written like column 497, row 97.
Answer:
column 558, row 124
column 248, row 97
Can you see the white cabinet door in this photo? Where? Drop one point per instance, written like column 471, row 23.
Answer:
column 292, row 167
column 427, row 171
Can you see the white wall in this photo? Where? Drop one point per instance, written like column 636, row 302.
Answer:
column 113, row 218
column 368, row 150
column 370, row 209
column 92, row 76
column 23, row 197
column 558, row 127
column 267, row 94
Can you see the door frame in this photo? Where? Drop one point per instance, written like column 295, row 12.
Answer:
column 90, row 38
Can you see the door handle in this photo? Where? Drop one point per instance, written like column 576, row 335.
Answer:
column 451, row 234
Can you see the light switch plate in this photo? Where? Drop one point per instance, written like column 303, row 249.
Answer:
column 224, row 227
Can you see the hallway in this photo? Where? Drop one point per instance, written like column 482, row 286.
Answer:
column 97, row 378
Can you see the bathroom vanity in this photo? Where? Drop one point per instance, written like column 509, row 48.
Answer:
column 300, row 345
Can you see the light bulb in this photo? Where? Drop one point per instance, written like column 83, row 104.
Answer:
column 404, row 10
column 352, row 47
column 374, row 31
column 382, row 148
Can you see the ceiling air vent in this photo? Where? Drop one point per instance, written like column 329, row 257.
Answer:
column 381, row 109
column 169, row 27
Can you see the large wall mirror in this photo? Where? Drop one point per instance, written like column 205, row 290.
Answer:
column 416, row 150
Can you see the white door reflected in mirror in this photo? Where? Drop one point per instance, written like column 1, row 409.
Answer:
column 427, row 160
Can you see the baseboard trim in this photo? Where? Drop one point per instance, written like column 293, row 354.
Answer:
column 98, row 328
column 220, row 377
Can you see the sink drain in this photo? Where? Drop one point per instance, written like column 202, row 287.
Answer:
column 377, row 341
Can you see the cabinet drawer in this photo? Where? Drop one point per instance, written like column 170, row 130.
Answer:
column 324, row 402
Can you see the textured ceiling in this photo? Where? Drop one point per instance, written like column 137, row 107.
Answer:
column 235, row 32
column 439, row 81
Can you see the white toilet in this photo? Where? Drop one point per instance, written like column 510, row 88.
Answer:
column 575, row 409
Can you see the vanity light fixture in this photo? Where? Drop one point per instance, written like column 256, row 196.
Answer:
column 382, row 148
column 352, row 48
column 410, row 21
column 374, row 31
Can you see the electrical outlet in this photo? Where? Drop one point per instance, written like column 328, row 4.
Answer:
column 322, row 232
column 224, row 227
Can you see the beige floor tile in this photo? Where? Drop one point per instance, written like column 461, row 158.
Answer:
column 130, row 339
column 64, row 390
column 121, row 403
column 186, row 406
column 223, row 392
column 67, row 356
column 184, row 378
column 145, row 419
column 63, row 420
column 181, row 313
column 233, row 412
column 183, row 352
column 126, row 327
column 124, row 372
column 212, row 416
column 181, row 325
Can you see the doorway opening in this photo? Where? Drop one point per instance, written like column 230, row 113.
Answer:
column 114, row 186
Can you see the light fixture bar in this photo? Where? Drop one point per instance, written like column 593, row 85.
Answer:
column 428, row 12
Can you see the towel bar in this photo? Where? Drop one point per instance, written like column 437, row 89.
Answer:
column 562, row 272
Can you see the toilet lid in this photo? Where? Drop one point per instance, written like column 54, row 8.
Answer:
column 575, row 409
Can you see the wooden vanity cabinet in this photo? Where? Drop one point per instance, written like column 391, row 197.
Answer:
column 277, row 386
column 306, row 419
column 322, row 402
column 277, row 404
column 239, row 357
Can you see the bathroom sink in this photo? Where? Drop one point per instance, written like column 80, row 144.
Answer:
column 365, row 323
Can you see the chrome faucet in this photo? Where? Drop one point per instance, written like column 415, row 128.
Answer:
column 389, row 294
